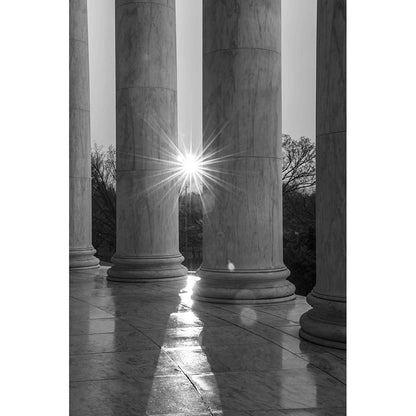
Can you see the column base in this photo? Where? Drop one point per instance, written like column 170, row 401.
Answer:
column 147, row 269
column 325, row 323
column 83, row 259
column 243, row 286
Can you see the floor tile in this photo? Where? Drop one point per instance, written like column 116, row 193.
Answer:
column 121, row 290
column 291, row 343
column 225, row 358
column 159, row 309
column 328, row 363
column 81, row 311
column 338, row 353
column 108, row 398
column 146, row 396
column 301, row 412
column 207, row 413
column 174, row 395
column 291, row 330
column 201, row 336
column 126, row 365
column 216, row 360
column 211, row 309
column 118, row 341
column 98, row 326
column 175, row 320
column 95, row 286
column 283, row 389
column 134, row 306
column 290, row 312
column 248, row 316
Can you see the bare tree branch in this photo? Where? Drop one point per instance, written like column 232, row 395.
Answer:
column 298, row 171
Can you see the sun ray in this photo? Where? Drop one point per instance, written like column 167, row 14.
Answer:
column 181, row 167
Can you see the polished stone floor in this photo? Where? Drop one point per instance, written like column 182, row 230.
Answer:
column 149, row 350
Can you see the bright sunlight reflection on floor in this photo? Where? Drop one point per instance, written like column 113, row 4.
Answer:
column 145, row 349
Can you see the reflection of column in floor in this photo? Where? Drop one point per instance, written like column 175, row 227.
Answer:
column 81, row 251
column 243, row 372
column 145, row 369
column 121, row 369
column 242, row 243
column 325, row 323
column 147, row 201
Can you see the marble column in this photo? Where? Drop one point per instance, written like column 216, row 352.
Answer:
column 325, row 323
column 81, row 251
column 146, row 118
column 243, row 233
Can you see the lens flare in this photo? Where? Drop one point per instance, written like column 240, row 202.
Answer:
column 191, row 166
column 248, row 316
column 206, row 171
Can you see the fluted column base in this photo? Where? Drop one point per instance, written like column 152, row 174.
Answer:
column 83, row 259
column 147, row 269
column 325, row 323
column 243, row 286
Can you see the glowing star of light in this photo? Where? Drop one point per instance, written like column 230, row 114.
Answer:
column 191, row 170
column 205, row 169
column 190, row 164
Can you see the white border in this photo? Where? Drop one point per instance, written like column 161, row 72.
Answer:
column 34, row 207
column 381, row 75
column 381, row 207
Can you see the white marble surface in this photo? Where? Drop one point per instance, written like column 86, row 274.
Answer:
column 242, row 102
column 326, row 322
column 147, row 244
column 80, row 246
column 198, row 359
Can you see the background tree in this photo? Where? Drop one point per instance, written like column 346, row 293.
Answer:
column 299, row 179
column 103, row 181
column 299, row 239
column 190, row 229
column 298, row 211
column 298, row 172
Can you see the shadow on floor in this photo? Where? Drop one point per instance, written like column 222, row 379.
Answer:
column 147, row 349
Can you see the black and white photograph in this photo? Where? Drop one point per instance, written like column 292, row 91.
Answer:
column 208, row 237
column 204, row 235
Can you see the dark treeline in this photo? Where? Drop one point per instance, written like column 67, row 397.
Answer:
column 298, row 212
column 299, row 239
column 190, row 229
column 103, row 181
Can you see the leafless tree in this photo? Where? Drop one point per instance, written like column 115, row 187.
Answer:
column 298, row 164
column 103, row 175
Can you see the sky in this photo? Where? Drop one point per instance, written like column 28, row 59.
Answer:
column 298, row 69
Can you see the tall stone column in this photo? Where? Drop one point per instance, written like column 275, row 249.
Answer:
column 81, row 251
column 243, row 233
column 325, row 322
column 146, row 117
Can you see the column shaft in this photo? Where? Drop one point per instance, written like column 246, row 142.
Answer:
column 146, row 116
column 243, row 234
column 325, row 322
column 81, row 254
